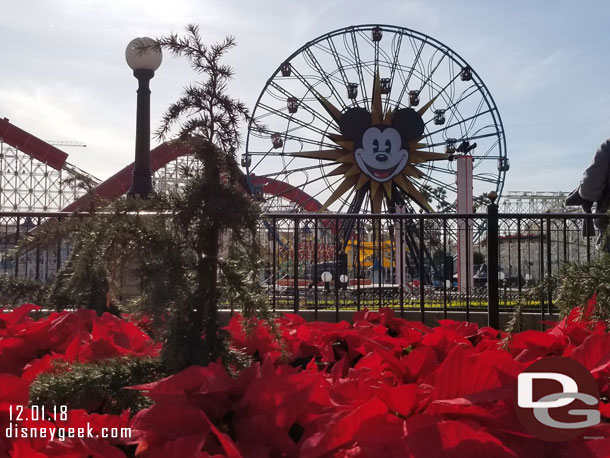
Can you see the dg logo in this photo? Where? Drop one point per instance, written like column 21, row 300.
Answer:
column 557, row 399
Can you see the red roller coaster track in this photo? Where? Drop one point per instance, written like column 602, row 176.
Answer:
column 119, row 183
column 31, row 145
column 286, row 191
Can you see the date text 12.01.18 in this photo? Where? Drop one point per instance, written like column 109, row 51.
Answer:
column 38, row 413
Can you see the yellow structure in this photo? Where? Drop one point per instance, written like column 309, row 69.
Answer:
column 369, row 251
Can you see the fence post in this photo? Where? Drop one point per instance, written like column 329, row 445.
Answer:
column 493, row 307
column 295, row 266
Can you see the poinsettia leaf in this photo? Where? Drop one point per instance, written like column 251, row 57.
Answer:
column 401, row 399
column 341, row 431
column 594, row 353
column 430, row 437
column 466, row 371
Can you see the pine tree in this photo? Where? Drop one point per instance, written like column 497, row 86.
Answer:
column 214, row 204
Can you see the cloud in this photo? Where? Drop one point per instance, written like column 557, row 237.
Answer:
column 531, row 77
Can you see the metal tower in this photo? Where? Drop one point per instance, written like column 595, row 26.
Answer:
column 536, row 202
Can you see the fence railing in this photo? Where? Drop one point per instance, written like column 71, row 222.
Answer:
column 417, row 264
column 41, row 262
column 420, row 263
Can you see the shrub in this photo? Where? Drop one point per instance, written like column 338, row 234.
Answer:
column 97, row 387
column 15, row 291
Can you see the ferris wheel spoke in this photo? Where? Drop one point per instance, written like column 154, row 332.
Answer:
column 459, row 140
column 323, row 74
column 370, row 73
column 300, row 169
column 374, row 44
column 454, row 124
column 434, row 168
column 297, row 138
column 343, row 61
column 336, row 183
column 301, row 155
column 464, row 126
column 393, row 68
column 305, row 106
column 379, row 54
column 478, row 110
column 310, row 87
column 462, row 97
column 301, row 187
column 359, row 69
column 332, row 50
column 437, row 182
column 258, row 162
column 296, row 121
column 439, row 93
column 480, row 177
column 418, row 62
column 345, row 200
column 287, row 165
column 479, row 113
column 407, row 80
column 431, row 74
column 484, row 178
column 486, row 154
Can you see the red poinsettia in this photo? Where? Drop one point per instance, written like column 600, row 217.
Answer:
column 380, row 386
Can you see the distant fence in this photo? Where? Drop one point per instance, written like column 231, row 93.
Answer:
column 413, row 263
column 40, row 262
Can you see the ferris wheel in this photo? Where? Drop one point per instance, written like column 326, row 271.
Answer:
column 368, row 117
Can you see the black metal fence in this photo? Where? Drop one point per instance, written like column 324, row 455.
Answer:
column 437, row 265
column 421, row 265
column 41, row 262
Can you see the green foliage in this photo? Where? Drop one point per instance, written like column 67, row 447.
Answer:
column 514, row 325
column 213, row 209
column 577, row 283
column 111, row 247
column 15, row 291
column 239, row 283
column 573, row 287
column 97, row 387
column 481, row 202
column 437, row 196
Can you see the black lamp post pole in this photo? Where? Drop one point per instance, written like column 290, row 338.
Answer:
column 141, row 185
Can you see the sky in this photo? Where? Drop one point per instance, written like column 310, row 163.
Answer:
column 64, row 75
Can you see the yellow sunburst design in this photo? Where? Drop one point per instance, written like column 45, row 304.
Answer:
column 354, row 178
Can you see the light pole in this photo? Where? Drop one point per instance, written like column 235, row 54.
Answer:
column 344, row 279
column 143, row 62
column 326, row 277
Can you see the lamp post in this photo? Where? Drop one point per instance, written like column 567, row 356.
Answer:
column 326, row 277
column 344, row 279
column 143, row 63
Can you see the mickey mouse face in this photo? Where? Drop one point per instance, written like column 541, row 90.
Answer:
column 381, row 156
column 381, row 151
